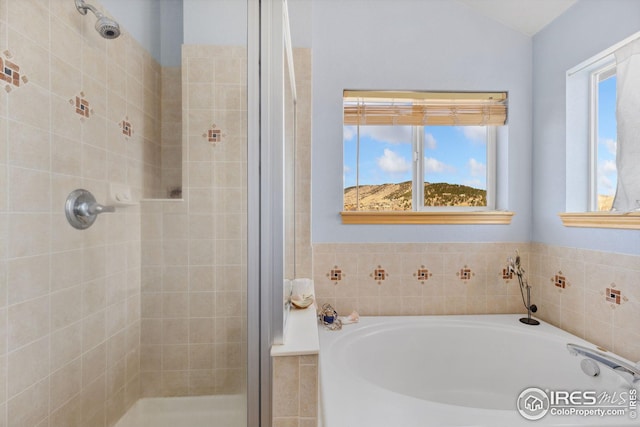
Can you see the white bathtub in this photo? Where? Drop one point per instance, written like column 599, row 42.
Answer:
column 199, row 411
column 451, row 371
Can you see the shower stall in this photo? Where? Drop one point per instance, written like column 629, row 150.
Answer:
column 161, row 312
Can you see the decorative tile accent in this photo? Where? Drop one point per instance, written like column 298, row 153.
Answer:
column 465, row 273
column 127, row 128
column 10, row 72
column 213, row 135
column 379, row 274
column 614, row 296
column 336, row 274
column 422, row 274
column 82, row 106
column 560, row 281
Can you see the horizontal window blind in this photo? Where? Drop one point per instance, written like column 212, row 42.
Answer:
column 424, row 108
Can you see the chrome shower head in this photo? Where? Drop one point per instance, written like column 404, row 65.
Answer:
column 106, row 27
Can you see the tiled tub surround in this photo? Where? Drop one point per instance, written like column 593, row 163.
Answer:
column 194, row 250
column 69, row 299
column 417, row 279
column 295, row 385
column 594, row 295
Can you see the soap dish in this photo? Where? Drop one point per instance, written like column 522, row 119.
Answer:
column 301, row 301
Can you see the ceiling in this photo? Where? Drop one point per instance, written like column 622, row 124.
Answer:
column 525, row 16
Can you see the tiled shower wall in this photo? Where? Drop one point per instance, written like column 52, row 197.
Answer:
column 594, row 295
column 76, row 111
column 194, row 250
column 171, row 134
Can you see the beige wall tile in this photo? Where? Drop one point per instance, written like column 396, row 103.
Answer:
column 66, row 307
column 27, row 366
column 29, row 407
column 28, row 321
column 64, row 384
column 286, row 377
column 68, row 415
column 29, row 278
column 26, row 189
column 28, row 146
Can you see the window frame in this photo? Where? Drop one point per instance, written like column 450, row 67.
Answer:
column 577, row 212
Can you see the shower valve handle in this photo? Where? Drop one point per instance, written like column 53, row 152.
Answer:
column 82, row 209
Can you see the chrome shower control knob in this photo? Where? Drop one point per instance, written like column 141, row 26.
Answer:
column 82, row 209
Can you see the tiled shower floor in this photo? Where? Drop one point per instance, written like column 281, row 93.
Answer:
column 200, row 411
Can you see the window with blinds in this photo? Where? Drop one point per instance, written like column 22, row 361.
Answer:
column 420, row 151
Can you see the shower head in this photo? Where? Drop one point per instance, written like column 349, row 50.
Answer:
column 106, row 27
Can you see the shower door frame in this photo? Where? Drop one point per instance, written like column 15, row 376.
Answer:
column 265, row 205
column 254, row 349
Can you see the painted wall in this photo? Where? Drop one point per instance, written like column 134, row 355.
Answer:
column 583, row 31
column 428, row 45
column 155, row 24
column 300, row 20
column 220, row 22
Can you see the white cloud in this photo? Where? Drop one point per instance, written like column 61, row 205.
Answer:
column 432, row 165
column 348, row 132
column 605, row 185
column 476, row 168
column 475, row 133
column 389, row 134
column 430, row 141
column 346, row 169
column 607, row 167
column 606, row 177
column 392, row 162
column 611, row 145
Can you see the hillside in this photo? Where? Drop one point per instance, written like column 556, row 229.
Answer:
column 397, row 197
column 604, row 202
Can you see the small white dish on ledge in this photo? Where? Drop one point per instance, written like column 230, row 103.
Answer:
column 301, row 301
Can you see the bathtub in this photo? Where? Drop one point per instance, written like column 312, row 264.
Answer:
column 198, row 411
column 455, row 371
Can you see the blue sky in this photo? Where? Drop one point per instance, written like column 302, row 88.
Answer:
column 452, row 154
column 607, row 137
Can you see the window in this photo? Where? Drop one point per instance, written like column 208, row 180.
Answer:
column 601, row 189
column 603, row 132
column 420, row 151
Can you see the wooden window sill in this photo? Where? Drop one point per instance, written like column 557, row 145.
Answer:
column 481, row 217
column 630, row 221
